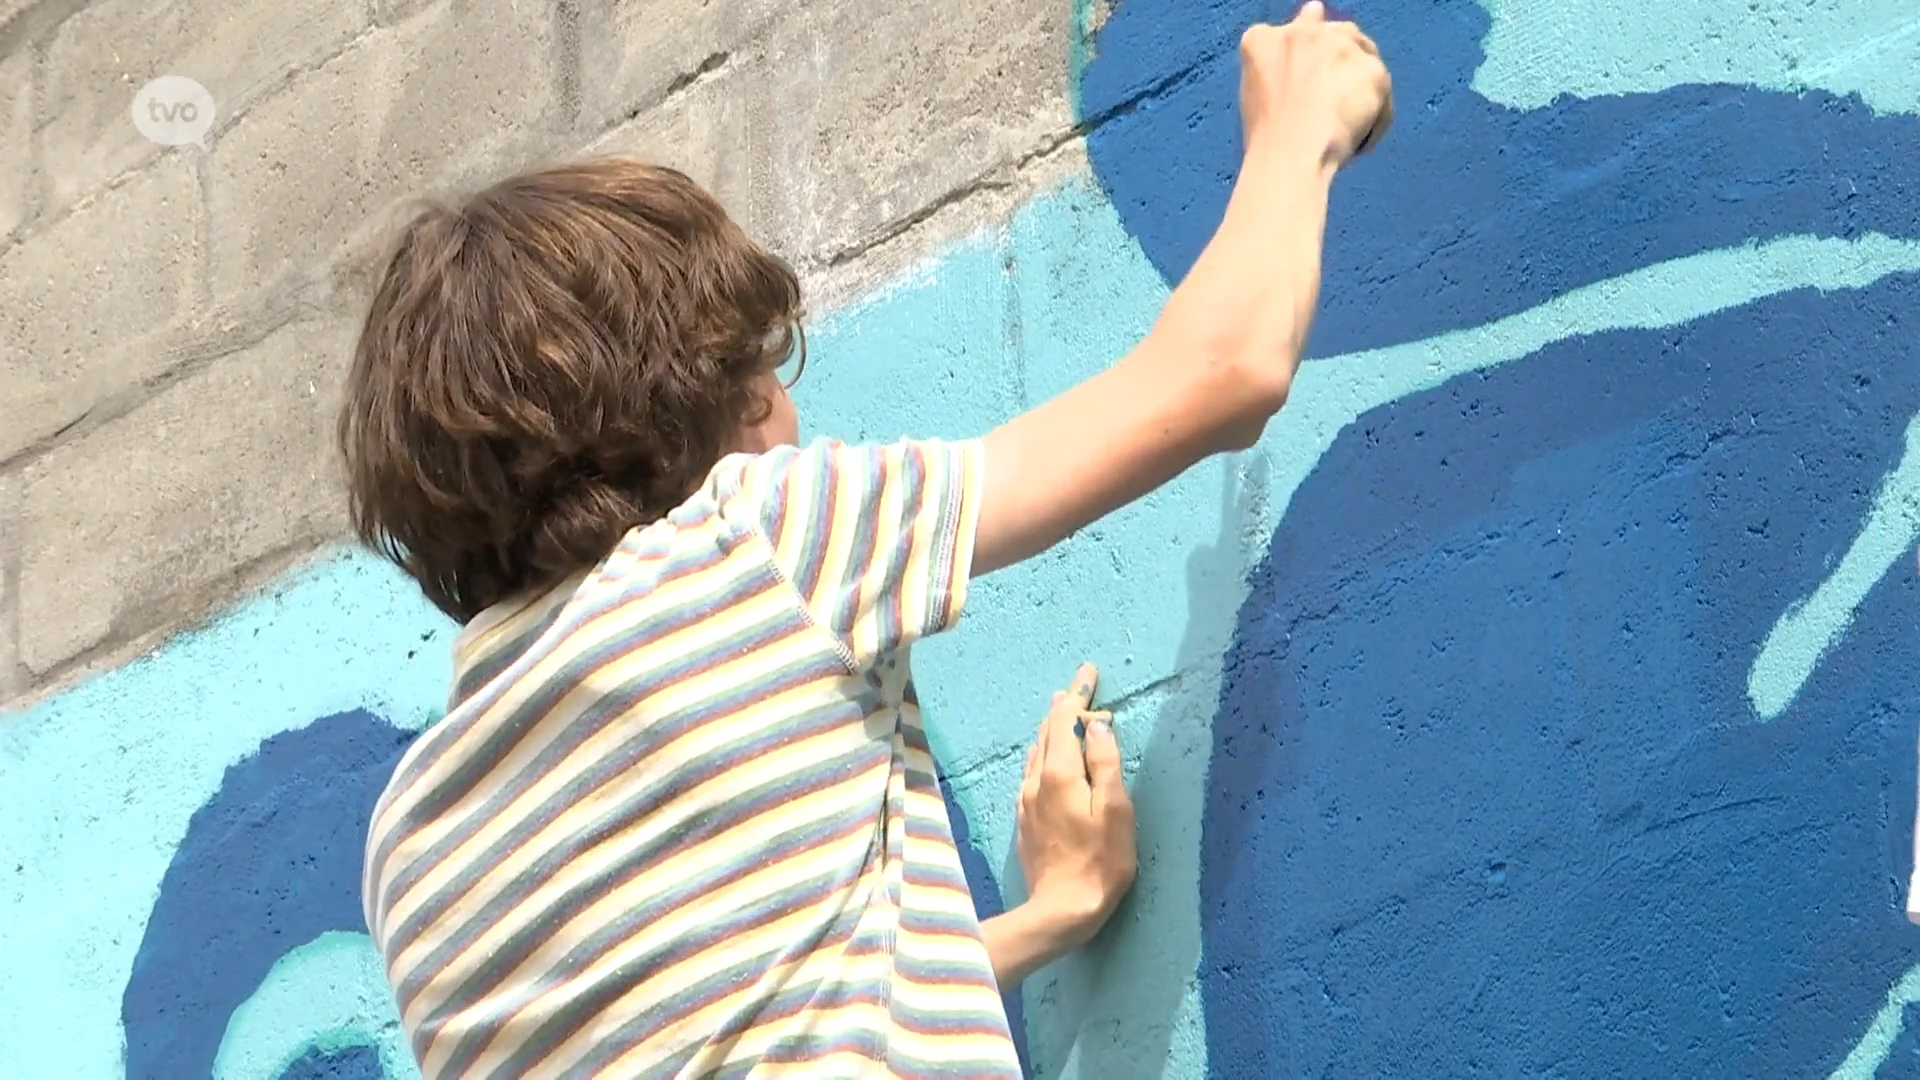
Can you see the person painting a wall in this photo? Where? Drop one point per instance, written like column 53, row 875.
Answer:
column 681, row 816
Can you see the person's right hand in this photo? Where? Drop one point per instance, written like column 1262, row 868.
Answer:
column 1314, row 85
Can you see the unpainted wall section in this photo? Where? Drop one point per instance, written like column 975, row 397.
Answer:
column 1538, row 698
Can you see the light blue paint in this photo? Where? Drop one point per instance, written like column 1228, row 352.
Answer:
column 1804, row 634
column 1867, row 1057
column 999, row 324
column 1539, row 49
column 941, row 354
column 97, row 784
column 1080, row 42
column 1331, row 393
column 327, row 995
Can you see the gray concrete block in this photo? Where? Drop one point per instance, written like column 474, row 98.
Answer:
column 705, row 131
column 876, row 112
column 459, row 93
column 841, row 123
column 99, row 59
column 11, row 8
column 126, row 527
column 78, row 298
column 388, row 12
column 636, row 50
column 16, row 139
column 11, row 682
column 983, row 91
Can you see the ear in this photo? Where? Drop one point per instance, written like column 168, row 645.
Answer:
column 776, row 409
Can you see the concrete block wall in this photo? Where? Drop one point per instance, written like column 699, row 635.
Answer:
column 136, row 275
column 1539, row 698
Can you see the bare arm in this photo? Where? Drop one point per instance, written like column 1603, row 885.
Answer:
column 1219, row 361
column 1023, row 940
column 1216, row 366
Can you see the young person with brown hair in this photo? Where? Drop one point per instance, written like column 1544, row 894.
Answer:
column 681, row 816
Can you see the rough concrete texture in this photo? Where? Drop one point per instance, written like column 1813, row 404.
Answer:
column 641, row 51
column 1537, row 699
column 13, row 677
column 803, row 126
column 448, row 98
column 155, row 506
column 387, row 12
column 100, row 58
column 80, row 297
column 15, row 17
column 16, row 140
column 985, row 93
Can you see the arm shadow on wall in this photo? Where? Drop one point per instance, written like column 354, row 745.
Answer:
column 1128, row 1006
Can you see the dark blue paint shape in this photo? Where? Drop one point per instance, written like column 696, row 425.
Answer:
column 987, row 902
column 353, row 1063
column 1471, row 211
column 270, row 863
column 1487, row 794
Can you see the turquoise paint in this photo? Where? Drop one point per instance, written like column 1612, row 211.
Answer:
column 1808, row 629
column 97, row 784
column 1867, row 1057
column 1080, row 42
column 326, row 995
column 1005, row 321
column 1539, row 49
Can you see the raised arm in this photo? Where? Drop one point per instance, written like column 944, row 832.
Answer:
column 1219, row 361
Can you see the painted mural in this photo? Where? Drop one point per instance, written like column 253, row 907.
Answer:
column 1538, row 700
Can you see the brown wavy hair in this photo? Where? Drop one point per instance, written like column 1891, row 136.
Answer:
column 555, row 360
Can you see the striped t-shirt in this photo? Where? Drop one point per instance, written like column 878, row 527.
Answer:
column 681, row 818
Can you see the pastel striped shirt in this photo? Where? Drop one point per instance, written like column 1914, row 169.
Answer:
column 681, row 817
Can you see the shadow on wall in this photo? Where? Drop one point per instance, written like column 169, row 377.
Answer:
column 270, row 864
column 1488, row 795
column 1125, row 1004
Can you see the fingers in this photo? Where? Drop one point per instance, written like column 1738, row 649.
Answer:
column 1046, row 724
column 1061, row 758
column 1380, row 125
column 1361, row 40
column 1308, row 15
column 1079, row 696
column 1103, row 763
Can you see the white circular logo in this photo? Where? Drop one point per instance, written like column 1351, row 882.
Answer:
column 173, row 110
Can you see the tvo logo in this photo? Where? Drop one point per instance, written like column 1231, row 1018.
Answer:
column 174, row 110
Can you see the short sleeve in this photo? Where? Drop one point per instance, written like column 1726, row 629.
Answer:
column 878, row 540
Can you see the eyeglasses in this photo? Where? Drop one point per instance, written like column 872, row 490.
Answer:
column 797, row 356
